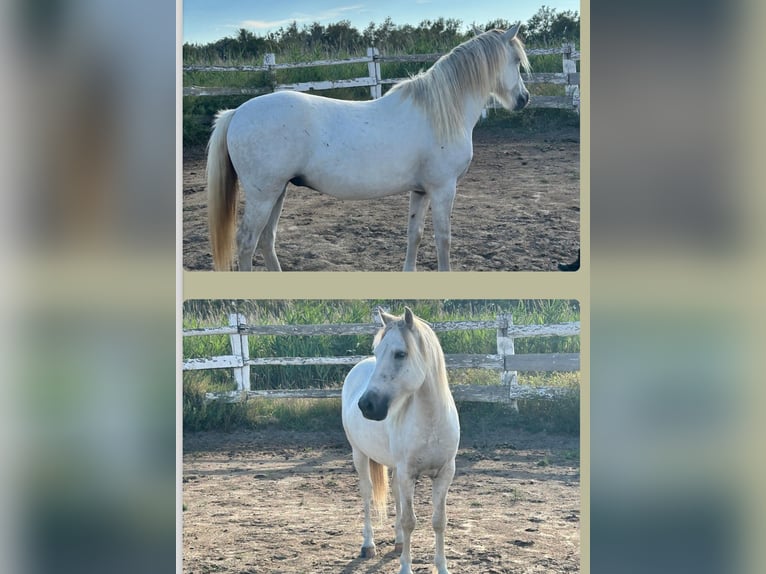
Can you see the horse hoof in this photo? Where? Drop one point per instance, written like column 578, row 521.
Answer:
column 398, row 547
column 368, row 552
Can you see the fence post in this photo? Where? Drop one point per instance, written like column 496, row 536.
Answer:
column 373, row 69
column 505, row 347
column 239, row 347
column 270, row 60
column 572, row 91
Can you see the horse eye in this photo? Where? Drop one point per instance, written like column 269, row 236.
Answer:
column 399, row 354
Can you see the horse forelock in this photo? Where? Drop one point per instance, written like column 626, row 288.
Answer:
column 471, row 67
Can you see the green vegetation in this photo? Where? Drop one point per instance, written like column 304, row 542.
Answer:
column 547, row 28
column 561, row 415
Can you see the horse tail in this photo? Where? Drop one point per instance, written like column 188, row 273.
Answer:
column 221, row 193
column 379, row 476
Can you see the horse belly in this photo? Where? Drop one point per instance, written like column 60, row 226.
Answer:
column 356, row 171
column 353, row 186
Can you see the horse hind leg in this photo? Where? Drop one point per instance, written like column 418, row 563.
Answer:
column 362, row 465
column 259, row 206
column 268, row 236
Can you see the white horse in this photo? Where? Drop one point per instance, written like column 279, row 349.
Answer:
column 416, row 139
column 398, row 412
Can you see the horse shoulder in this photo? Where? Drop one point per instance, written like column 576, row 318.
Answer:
column 446, row 162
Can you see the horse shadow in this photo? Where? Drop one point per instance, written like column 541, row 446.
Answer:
column 356, row 566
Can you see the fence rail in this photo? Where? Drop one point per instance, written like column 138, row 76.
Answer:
column 569, row 76
column 506, row 361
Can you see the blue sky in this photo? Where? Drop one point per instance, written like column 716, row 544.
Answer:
column 209, row 20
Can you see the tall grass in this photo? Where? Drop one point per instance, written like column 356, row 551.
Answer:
column 200, row 415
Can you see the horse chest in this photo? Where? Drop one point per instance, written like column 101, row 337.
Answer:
column 426, row 454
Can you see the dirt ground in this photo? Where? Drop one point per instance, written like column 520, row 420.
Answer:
column 284, row 501
column 517, row 209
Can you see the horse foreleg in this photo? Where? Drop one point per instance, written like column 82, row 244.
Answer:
column 418, row 207
column 398, row 525
column 406, row 491
column 441, row 484
column 268, row 237
column 362, row 465
column 441, row 210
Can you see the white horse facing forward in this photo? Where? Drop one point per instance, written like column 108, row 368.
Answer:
column 416, row 139
column 398, row 412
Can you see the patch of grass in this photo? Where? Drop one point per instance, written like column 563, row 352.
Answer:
column 531, row 120
column 515, row 494
column 290, row 414
column 571, row 455
column 559, row 416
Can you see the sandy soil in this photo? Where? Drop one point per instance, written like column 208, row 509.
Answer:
column 282, row 501
column 517, row 209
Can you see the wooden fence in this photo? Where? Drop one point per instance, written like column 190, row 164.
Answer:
column 506, row 361
column 569, row 76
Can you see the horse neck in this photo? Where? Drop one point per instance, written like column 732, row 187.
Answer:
column 473, row 105
column 433, row 391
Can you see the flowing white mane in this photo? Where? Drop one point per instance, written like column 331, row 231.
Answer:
column 472, row 67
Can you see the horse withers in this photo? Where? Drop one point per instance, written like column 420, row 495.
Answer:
column 416, row 139
column 398, row 412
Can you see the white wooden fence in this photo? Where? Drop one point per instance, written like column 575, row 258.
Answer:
column 569, row 76
column 506, row 361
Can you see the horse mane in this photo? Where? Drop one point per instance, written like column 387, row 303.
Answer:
column 430, row 348
column 472, row 67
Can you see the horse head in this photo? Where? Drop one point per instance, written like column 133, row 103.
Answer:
column 399, row 366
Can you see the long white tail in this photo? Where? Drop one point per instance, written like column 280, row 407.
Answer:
column 221, row 193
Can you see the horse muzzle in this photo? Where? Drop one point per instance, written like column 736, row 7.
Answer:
column 373, row 406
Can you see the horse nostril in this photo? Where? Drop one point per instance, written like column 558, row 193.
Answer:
column 365, row 404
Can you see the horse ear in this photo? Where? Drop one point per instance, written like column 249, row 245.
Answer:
column 408, row 317
column 385, row 318
column 511, row 33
